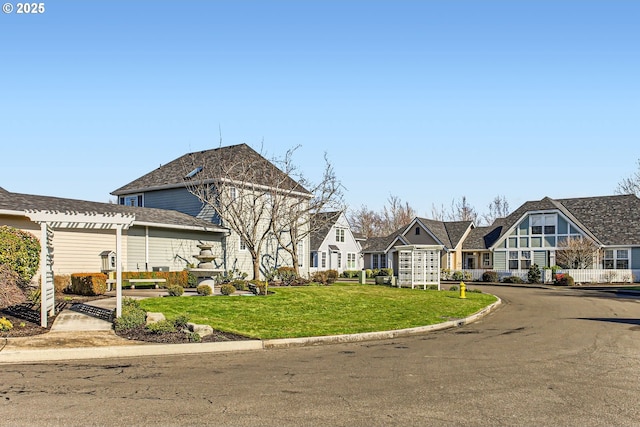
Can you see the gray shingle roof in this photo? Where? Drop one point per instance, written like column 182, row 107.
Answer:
column 161, row 217
column 612, row 220
column 449, row 233
column 173, row 173
column 321, row 223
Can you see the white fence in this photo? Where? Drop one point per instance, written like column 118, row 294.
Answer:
column 579, row 276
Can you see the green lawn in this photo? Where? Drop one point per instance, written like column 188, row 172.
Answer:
column 321, row 310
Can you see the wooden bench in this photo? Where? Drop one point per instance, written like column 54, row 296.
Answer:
column 133, row 282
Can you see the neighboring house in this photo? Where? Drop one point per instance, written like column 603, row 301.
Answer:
column 418, row 251
column 333, row 245
column 536, row 231
column 82, row 230
column 168, row 187
column 79, row 236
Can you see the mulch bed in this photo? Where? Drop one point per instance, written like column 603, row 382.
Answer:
column 25, row 319
column 141, row 334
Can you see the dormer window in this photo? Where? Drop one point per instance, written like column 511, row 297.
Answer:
column 131, row 200
column 417, row 231
column 193, row 172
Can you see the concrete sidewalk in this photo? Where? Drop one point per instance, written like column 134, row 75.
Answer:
column 75, row 335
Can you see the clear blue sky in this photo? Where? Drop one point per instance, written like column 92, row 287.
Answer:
column 426, row 100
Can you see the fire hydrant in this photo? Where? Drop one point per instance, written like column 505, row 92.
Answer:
column 463, row 289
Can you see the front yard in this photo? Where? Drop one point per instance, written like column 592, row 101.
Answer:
column 321, row 310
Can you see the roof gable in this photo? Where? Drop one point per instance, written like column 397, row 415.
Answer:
column 609, row 220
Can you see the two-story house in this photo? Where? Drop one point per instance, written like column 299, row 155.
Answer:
column 237, row 188
column 333, row 245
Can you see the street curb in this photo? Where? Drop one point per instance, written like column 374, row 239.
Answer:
column 141, row 350
column 371, row 336
column 120, row 351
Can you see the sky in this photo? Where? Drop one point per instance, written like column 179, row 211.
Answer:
column 426, row 101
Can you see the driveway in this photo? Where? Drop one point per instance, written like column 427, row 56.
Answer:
column 546, row 357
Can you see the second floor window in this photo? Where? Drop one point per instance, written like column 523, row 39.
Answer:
column 133, row 200
column 339, row 234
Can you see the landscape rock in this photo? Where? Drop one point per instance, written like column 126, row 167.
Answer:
column 202, row 330
column 154, row 317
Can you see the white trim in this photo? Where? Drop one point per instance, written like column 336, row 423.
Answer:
column 213, row 229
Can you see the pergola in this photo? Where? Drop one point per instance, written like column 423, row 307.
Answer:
column 51, row 220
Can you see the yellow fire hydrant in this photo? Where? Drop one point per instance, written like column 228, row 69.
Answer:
column 463, row 289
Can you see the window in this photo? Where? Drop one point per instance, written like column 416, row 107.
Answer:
column 378, row 261
column 314, row 259
column 339, row 234
column 133, row 200
column 351, row 261
column 323, row 260
column 233, row 193
column 243, row 245
column 417, row 231
column 513, row 260
column 339, row 259
column 374, row 261
column 616, row 259
column 486, row 260
column 383, row 261
column 546, row 223
column 622, row 259
column 525, row 260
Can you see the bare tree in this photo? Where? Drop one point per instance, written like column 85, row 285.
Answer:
column 395, row 215
column 498, row 208
column 576, row 252
column 631, row 184
column 366, row 222
column 459, row 210
column 241, row 187
column 293, row 212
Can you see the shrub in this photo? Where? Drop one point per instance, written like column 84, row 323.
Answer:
column 11, row 291
column 239, row 284
column 368, row 273
column 192, row 280
column 332, row 276
column 453, row 288
column 34, row 295
column 533, row 275
column 512, row 279
column 161, row 327
column 565, row 280
column 88, row 283
column 133, row 316
column 20, row 251
column 458, row 276
column 61, row 282
column 287, row 275
column 204, row 290
column 194, row 337
column 432, row 287
column 262, row 286
column 445, row 274
column 227, row 289
column 5, row 324
column 490, row 276
column 180, row 322
column 351, row 274
column 175, row 290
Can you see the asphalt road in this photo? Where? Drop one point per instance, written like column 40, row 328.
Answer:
column 546, row 357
